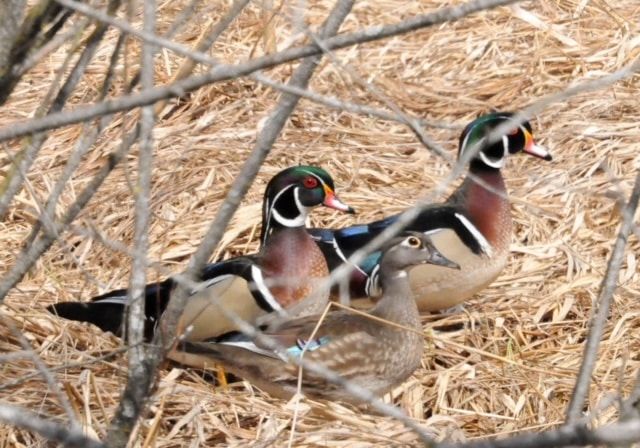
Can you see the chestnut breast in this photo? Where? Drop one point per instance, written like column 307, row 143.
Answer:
column 436, row 287
column 489, row 211
column 292, row 262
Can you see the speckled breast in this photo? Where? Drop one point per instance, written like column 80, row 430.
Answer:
column 293, row 267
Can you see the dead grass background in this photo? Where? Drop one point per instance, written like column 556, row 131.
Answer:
column 506, row 363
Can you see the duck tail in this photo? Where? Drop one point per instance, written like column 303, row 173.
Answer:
column 107, row 311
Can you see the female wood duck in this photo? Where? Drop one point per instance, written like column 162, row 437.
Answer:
column 374, row 353
column 283, row 277
column 472, row 227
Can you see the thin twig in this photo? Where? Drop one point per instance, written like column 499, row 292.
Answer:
column 42, row 370
column 225, row 72
column 413, row 124
column 33, row 33
column 70, row 365
column 30, row 254
column 139, row 374
column 28, row 155
column 49, row 47
column 601, row 313
column 568, row 435
column 200, row 55
column 90, row 134
column 53, row 431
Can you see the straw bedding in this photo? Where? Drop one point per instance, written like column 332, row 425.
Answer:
column 504, row 363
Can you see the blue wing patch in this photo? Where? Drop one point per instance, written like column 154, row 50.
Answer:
column 311, row 345
column 369, row 263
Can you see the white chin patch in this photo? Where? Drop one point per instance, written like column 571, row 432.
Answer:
column 297, row 221
column 493, row 163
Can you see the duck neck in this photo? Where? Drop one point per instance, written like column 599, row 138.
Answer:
column 483, row 196
column 397, row 303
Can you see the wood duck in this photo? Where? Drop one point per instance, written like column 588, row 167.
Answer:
column 472, row 227
column 374, row 353
column 284, row 277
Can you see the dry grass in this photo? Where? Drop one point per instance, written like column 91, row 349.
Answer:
column 507, row 363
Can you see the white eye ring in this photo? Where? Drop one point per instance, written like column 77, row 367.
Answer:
column 414, row 242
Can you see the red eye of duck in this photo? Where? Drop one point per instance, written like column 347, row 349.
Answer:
column 310, row 182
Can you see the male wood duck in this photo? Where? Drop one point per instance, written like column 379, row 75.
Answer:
column 374, row 353
column 284, row 277
column 472, row 227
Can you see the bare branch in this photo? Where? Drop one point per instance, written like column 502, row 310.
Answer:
column 569, row 435
column 54, row 432
column 28, row 154
column 342, row 105
column 49, row 47
column 90, row 134
column 42, row 370
column 601, row 313
column 200, row 55
column 31, row 253
column 30, row 36
column 11, row 12
column 70, row 365
column 139, row 374
column 225, row 72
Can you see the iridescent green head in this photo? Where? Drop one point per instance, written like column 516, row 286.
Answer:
column 293, row 192
column 518, row 138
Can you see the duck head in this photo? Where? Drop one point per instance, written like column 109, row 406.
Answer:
column 293, row 192
column 519, row 138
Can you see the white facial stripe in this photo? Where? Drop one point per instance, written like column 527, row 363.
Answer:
column 466, row 141
column 484, row 244
column 505, row 144
column 304, row 210
column 286, row 222
column 499, row 163
column 492, row 163
column 256, row 275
